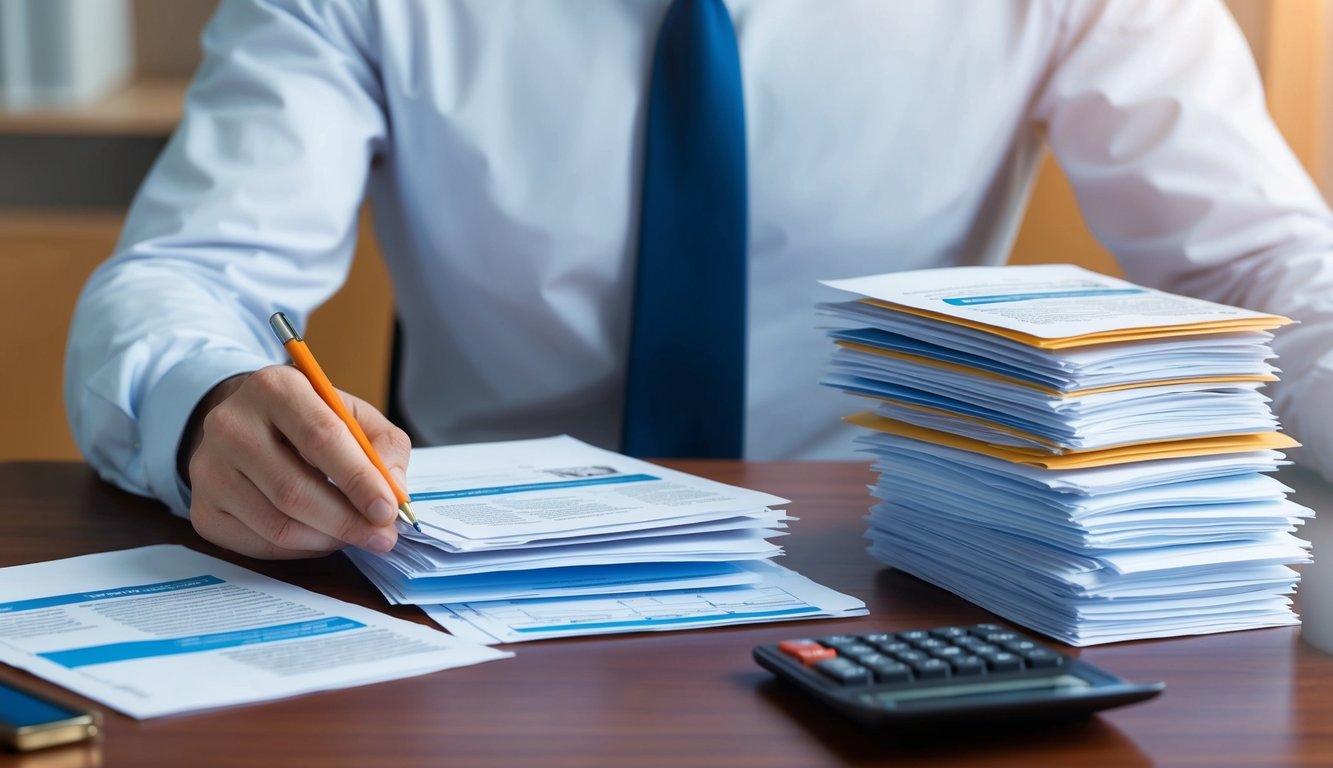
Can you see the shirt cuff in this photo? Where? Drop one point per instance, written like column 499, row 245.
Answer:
column 167, row 410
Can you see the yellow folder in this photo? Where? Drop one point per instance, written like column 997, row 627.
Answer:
column 1260, row 323
column 1075, row 459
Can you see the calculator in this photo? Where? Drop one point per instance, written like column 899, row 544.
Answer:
column 982, row 671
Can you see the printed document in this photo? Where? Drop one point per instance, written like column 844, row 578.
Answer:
column 556, row 517
column 1051, row 302
column 782, row 595
column 501, row 495
column 163, row 629
column 533, row 539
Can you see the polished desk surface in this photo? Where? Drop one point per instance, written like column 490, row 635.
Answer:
column 692, row 698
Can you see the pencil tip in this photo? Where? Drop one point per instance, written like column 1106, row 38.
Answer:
column 406, row 514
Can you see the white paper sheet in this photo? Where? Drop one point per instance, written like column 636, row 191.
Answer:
column 743, row 544
column 163, row 629
column 782, row 595
column 1049, row 301
column 499, row 494
column 1053, row 360
column 556, row 517
column 578, row 580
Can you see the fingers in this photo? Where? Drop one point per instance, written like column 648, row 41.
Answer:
column 261, row 474
column 391, row 443
column 275, row 537
column 315, row 431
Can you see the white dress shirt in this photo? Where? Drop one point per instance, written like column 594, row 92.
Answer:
column 500, row 142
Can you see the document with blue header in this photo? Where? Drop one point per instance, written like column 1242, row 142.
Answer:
column 552, row 537
column 555, row 517
column 163, row 629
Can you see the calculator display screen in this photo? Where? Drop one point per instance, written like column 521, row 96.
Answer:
column 984, row 688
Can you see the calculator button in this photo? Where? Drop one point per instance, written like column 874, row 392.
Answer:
column 914, row 635
column 999, row 637
column 931, row 669
column 871, row 659
column 968, row 665
column 980, row 648
column 911, row 657
column 833, row 641
column 856, row 649
column 1019, row 646
column 1043, row 658
column 949, row 633
column 932, row 644
column 897, row 646
column 948, row 652
column 890, row 671
column 808, row 652
column 1002, row 661
column 844, row 671
column 987, row 628
column 875, row 638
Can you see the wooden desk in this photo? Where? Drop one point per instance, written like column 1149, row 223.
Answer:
column 690, row 698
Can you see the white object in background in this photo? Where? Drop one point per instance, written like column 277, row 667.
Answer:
column 15, row 77
column 1316, row 591
column 60, row 53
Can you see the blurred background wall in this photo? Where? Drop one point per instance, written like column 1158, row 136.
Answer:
column 1292, row 41
column 69, row 168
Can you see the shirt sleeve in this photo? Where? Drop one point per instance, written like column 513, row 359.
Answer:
column 251, row 209
column 1156, row 113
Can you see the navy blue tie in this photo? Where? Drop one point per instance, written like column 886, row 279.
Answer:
column 685, row 391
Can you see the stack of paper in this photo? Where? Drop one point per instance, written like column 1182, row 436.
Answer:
column 535, row 523
column 1082, row 455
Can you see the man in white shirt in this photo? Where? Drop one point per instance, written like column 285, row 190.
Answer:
column 501, row 145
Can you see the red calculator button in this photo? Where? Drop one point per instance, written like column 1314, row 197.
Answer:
column 808, row 651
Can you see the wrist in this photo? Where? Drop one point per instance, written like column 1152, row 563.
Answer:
column 194, row 428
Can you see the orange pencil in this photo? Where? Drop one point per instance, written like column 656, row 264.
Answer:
column 305, row 363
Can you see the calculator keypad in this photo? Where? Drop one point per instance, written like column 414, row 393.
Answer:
column 903, row 657
column 945, row 675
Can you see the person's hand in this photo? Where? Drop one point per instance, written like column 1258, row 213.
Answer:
column 276, row 474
